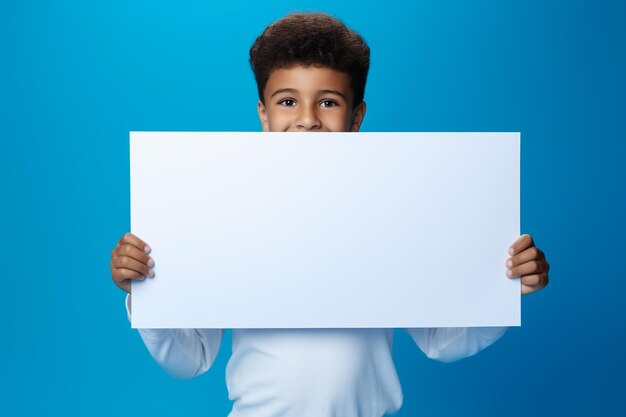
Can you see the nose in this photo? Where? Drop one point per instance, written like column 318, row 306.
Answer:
column 308, row 118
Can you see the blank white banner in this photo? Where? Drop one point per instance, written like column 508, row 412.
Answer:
column 292, row 230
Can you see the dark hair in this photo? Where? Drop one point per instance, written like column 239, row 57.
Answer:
column 311, row 39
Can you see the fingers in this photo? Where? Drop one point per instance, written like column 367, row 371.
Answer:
column 532, row 253
column 539, row 266
column 122, row 277
column 131, row 251
column 522, row 243
column 131, row 239
column 124, row 262
column 534, row 279
column 130, row 261
column 123, row 274
column 532, row 283
column 528, row 263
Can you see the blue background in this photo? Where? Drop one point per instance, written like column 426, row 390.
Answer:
column 76, row 77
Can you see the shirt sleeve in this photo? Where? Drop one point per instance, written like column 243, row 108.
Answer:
column 182, row 353
column 449, row 344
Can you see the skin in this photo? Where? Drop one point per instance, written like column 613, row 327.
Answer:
column 314, row 99
column 309, row 99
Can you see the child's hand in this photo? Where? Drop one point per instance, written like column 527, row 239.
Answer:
column 130, row 260
column 529, row 263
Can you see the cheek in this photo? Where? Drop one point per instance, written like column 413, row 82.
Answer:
column 337, row 122
column 278, row 120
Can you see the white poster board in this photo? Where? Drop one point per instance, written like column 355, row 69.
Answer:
column 325, row 230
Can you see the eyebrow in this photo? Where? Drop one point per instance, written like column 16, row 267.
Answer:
column 293, row 90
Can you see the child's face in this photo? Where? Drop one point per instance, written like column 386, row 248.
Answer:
column 309, row 99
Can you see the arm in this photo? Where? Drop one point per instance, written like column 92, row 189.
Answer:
column 182, row 353
column 449, row 344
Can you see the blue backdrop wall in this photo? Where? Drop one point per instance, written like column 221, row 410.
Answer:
column 76, row 77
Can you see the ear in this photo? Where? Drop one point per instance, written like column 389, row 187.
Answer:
column 357, row 117
column 263, row 117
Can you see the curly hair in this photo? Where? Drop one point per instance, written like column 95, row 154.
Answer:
column 311, row 39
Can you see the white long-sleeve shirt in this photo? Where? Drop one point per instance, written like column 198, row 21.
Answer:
column 309, row 372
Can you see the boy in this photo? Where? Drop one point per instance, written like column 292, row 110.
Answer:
column 311, row 72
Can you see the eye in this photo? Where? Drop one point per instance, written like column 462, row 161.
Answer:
column 328, row 103
column 287, row 102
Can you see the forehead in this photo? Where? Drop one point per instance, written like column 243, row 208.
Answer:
column 308, row 80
